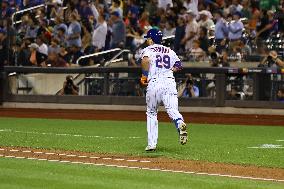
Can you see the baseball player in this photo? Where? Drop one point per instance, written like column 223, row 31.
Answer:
column 158, row 64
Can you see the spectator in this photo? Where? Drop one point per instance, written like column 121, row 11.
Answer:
column 197, row 54
column 61, row 37
column 272, row 60
column 144, row 20
column 87, row 29
column 32, row 28
column 56, row 9
column 74, row 32
column 189, row 89
column 182, row 12
column 235, row 7
column 170, row 29
column 235, row 30
column 219, row 60
column 95, row 9
column 131, row 7
column 10, row 31
column 71, row 10
column 99, row 34
column 44, row 31
column 233, row 94
column 280, row 16
column 36, row 58
column 116, row 8
column 85, row 10
column 18, row 4
column 180, row 33
column 221, row 31
column 6, row 11
column 206, row 20
column 4, row 49
column 41, row 14
column 63, row 53
column 59, row 23
column 253, row 21
column 151, row 7
column 53, row 60
column 191, row 5
column 203, row 39
column 269, row 26
column 131, row 19
column 22, row 29
column 69, row 88
column 245, row 49
column 165, row 4
column 24, row 53
column 54, row 47
column 33, row 3
column 280, row 95
column 246, row 11
column 171, row 15
column 191, row 31
column 42, row 47
column 263, row 26
column 118, row 31
column 73, row 55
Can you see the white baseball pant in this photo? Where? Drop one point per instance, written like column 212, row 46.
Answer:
column 161, row 90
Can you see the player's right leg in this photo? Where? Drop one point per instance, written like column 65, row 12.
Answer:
column 152, row 120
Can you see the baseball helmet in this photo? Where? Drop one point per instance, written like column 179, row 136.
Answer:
column 155, row 34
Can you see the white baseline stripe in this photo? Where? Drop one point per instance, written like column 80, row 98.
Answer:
column 132, row 160
column 262, row 147
column 66, row 134
column 49, row 153
column 13, row 150
column 146, row 168
column 71, row 155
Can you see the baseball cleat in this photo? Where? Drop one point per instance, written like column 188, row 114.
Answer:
column 150, row 149
column 182, row 133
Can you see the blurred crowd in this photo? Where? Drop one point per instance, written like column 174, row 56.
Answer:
column 61, row 31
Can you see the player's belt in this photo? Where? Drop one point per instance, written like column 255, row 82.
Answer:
column 155, row 78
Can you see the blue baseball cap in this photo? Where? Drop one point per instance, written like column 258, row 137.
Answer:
column 238, row 14
column 155, row 34
column 115, row 13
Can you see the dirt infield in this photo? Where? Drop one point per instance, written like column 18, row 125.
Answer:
column 154, row 164
column 240, row 119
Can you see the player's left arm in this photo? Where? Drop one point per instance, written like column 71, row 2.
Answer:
column 177, row 64
column 145, row 70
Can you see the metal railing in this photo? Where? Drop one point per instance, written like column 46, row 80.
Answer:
column 115, row 58
column 25, row 10
column 96, row 54
column 169, row 37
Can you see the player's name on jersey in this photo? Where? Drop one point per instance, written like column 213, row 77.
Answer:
column 160, row 49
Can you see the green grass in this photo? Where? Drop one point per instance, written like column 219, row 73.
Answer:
column 214, row 143
column 32, row 174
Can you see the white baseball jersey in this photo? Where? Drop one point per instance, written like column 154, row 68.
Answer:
column 161, row 88
column 162, row 60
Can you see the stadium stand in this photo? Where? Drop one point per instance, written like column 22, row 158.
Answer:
column 247, row 29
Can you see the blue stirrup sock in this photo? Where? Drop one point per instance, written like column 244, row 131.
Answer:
column 177, row 122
